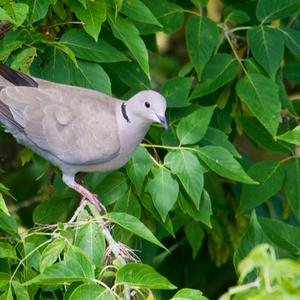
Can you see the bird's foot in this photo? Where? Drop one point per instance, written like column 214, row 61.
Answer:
column 91, row 197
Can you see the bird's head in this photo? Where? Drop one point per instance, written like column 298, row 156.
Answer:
column 149, row 105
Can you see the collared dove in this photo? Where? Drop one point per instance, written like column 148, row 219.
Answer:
column 76, row 129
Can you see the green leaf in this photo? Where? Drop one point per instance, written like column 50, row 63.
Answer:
column 202, row 37
column 89, row 238
column 267, row 46
column 291, row 136
column 195, row 235
column 163, row 189
column 185, row 164
column 9, row 225
column 125, row 31
column 148, row 204
column 133, row 225
column 202, row 214
column 51, row 253
column 26, row 155
column 20, row 291
column 131, row 74
column 85, row 47
column 92, row 17
column 17, row 11
column 268, row 10
column 24, row 59
column 220, row 70
column 283, row 236
column 261, row 136
column 4, row 16
column 3, row 206
column 170, row 15
column 92, row 76
column 292, row 39
column 176, row 91
column 143, row 276
column 260, row 94
column 138, row 167
column 216, row 137
column 270, row 175
column 237, row 16
column 7, row 251
column 89, row 291
column 189, row 294
column 221, row 161
column 253, row 236
column 144, row 15
column 11, row 42
column 113, row 187
column 192, row 128
column 75, row 267
column 37, row 9
column 292, row 185
column 58, row 68
column 128, row 204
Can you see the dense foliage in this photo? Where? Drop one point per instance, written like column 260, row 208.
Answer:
column 224, row 178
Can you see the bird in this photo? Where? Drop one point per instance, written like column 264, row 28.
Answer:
column 76, row 129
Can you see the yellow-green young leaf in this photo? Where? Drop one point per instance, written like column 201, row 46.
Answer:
column 7, row 250
column 92, row 17
column 176, row 91
column 144, row 276
column 144, row 15
column 163, row 189
column 222, row 162
column 89, row 238
column 133, row 225
column 195, row 235
column 51, row 253
column 3, row 206
column 202, row 36
column 125, row 31
column 260, row 94
column 84, row 47
column 138, row 167
column 17, row 12
column 220, row 70
column 292, row 185
column 270, row 175
column 75, row 267
column 189, row 294
column 88, row 291
column 20, row 291
column 292, row 136
column 37, row 9
column 7, row 295
column 268, row 10
column 26, row 155
column 267, row 46
column 4, row 16
column 185, row 164
column 192, row 128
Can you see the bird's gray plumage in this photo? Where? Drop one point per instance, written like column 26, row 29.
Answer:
column 77, row 129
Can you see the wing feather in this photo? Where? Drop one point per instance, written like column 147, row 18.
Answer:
column 76, row 125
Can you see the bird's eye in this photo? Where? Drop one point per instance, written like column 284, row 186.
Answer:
column 147, row 104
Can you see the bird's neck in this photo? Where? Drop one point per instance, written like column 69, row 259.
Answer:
column 132, row 129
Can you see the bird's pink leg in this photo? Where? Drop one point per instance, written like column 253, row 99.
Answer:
column 70, row 181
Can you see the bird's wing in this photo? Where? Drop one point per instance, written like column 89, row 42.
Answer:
column 76, row 125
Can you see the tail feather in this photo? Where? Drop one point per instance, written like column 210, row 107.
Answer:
column 16, row 77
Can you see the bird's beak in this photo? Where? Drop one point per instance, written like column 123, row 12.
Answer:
column 163, row 121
